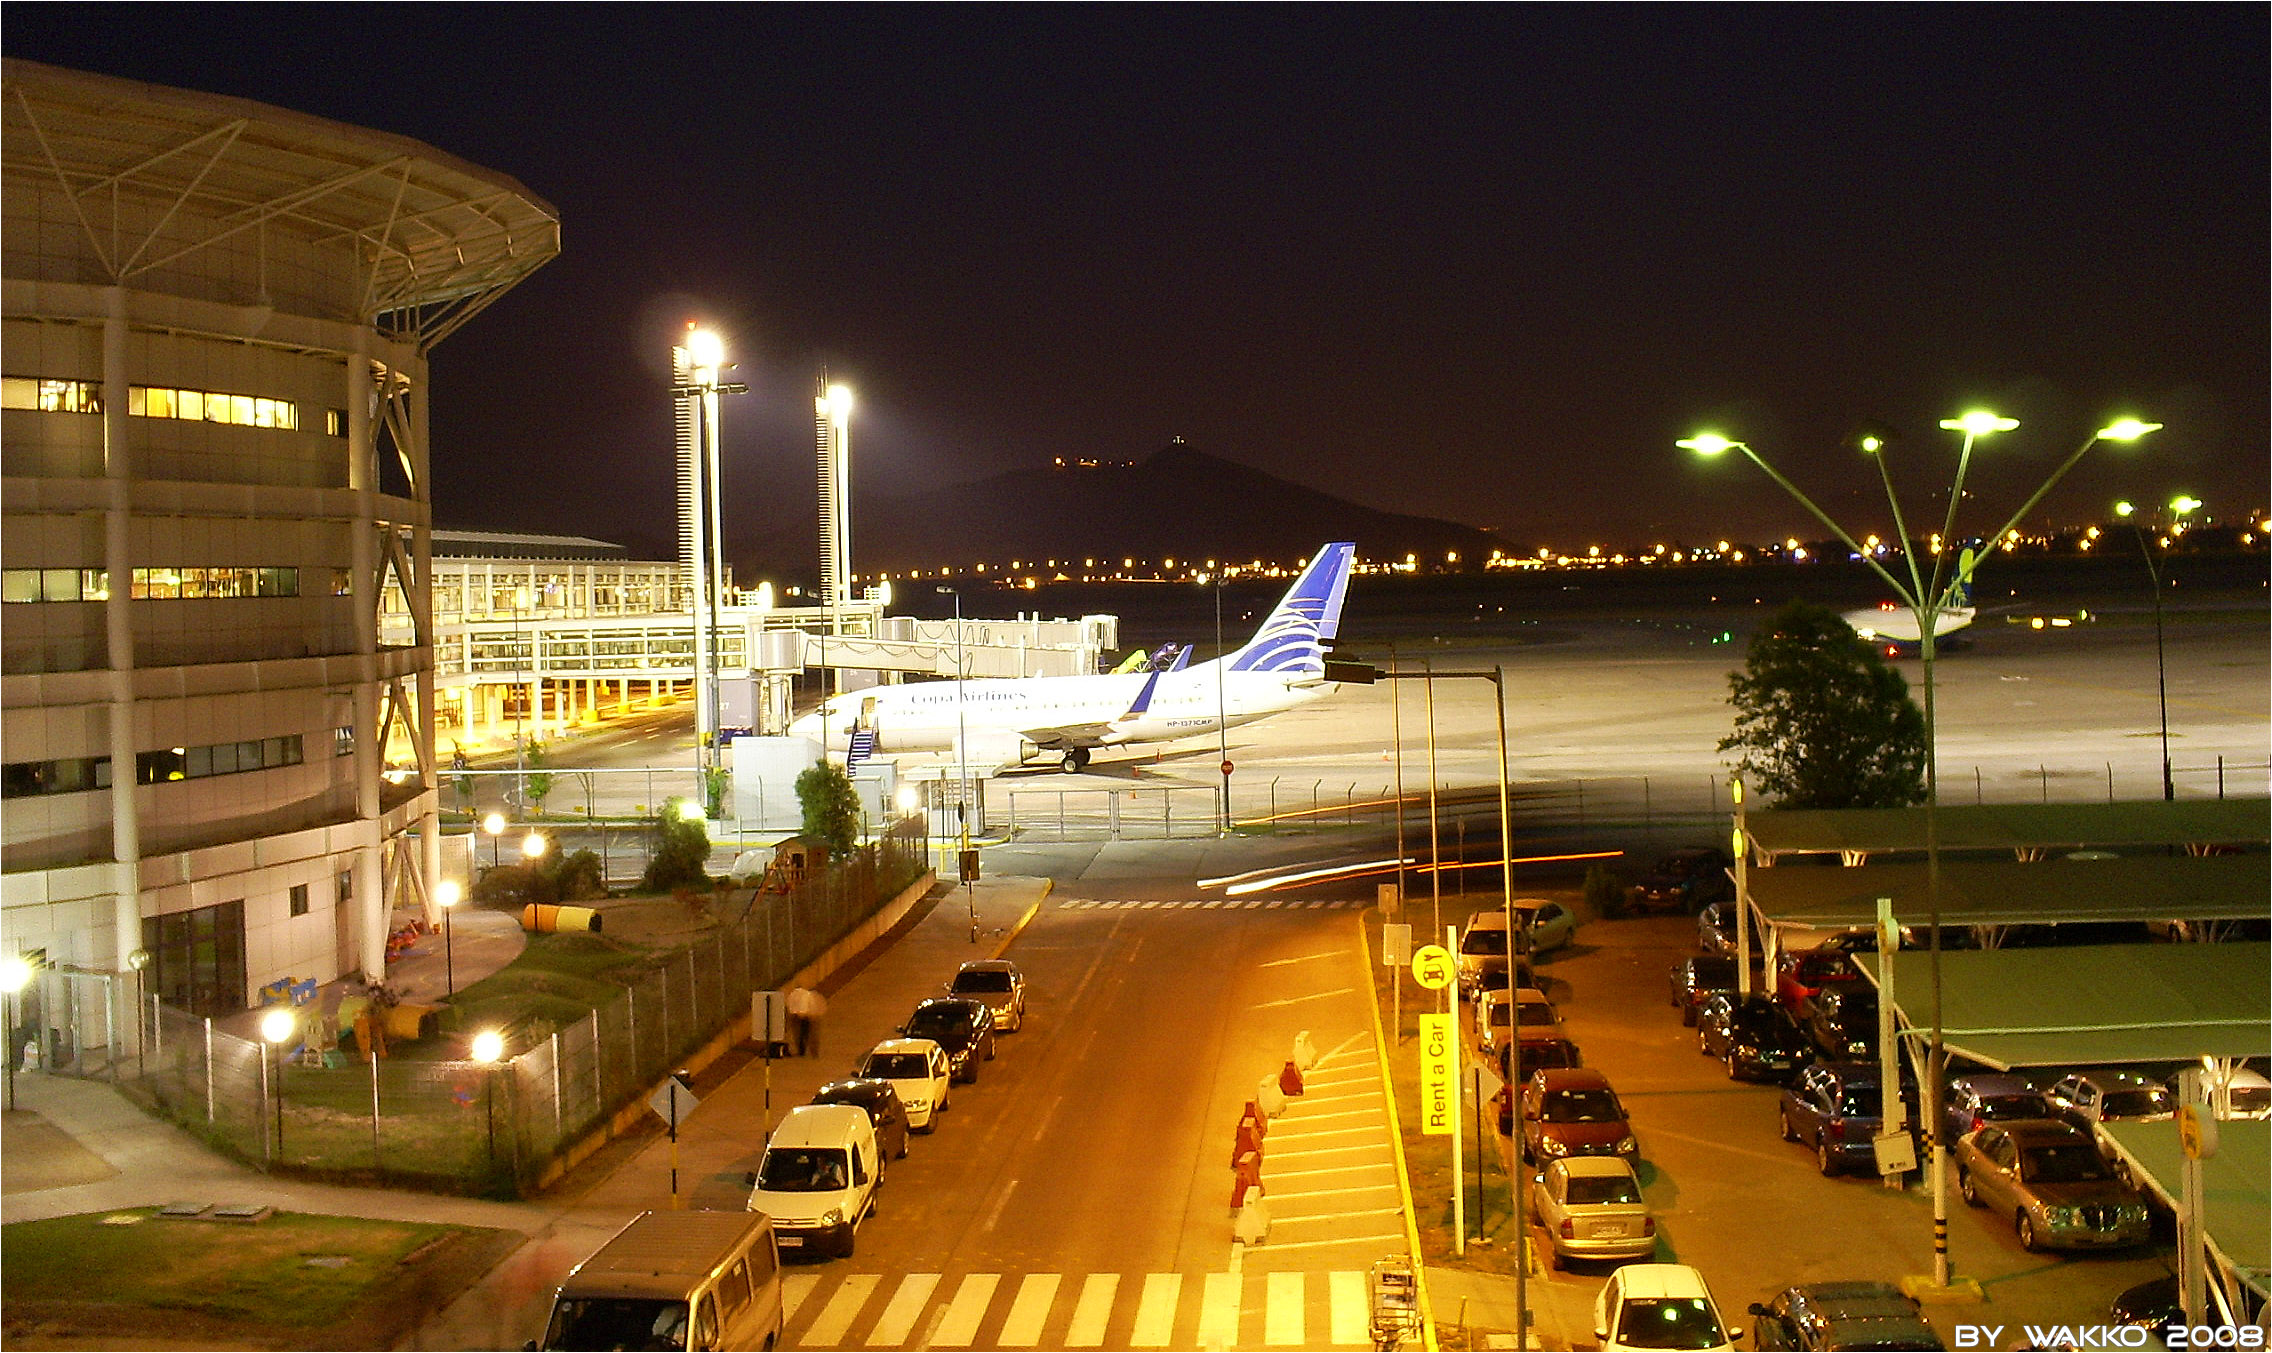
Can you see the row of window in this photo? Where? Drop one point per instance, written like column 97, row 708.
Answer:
column 157, row 401
column 73, row 775
column 165, row 583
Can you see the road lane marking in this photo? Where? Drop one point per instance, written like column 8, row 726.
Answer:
column 1219, row 1311
column 1331, row 1169
column 1372, row 1243
column 1002, row 1199
column 1300, row 958
column 1352, row 1308
column 795, row 1289
column 1282, row 1316
column 1022, row 1327
column 1309, row 1118
column 1304, row 1000
column 901, row 1312
column 843, row 1306
column 959, row 1327
column 1328, row 1151
column 1093, row 1311
column 1330, row 1193
column 1338, row 1216
column 1155, row 1311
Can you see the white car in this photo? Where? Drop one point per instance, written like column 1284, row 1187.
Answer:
column 1590, row 1208
column 1660, row 1306
column 998, row 983
column 1549, row 925
column 918, row 1069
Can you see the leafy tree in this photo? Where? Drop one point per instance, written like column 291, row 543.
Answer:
column 1821, row 720
column 831, row 807
column 678, row 850
column 538, row 782
column 1604, row 892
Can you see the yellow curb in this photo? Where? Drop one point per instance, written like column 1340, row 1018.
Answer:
column 1023, row 921
column 1396, row 1139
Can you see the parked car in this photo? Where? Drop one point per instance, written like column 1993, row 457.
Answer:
column 1850, row 1315
column 1574, row 1112
column 2088, row 1098
column 1533, row 1051
column 1482, row 949
column 1547, row 925
column 2154, row 1304
column 998, row 983
column 1754, row 1037
column 1975, row 1101
column 1496, row 978
column 880, row 1101
column 1660, row 1306
column 1799, row 976
column 1834, row 1108
column 1494, row 1017
column 965, row 1028
column 1716, row 930
column 2248, row 1093
column 1686, row 880
column 818, row 1177
column 1590, row 1208
column 2049, row 1178
column 1841, row 1021
column 919, row 1073
column 1696, row 979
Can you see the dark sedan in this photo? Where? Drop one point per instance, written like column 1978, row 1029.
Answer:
column 1686, row 880
column 1973, row 1102
column 880, row 1100
column 1833, row 1108
column 1842, row 1019
column 965, row 1028
column 1695, row 980
column 1851, row 1315
column 1754, row 1037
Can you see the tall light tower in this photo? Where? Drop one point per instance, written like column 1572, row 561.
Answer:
column 832, row 423
column 695, row 367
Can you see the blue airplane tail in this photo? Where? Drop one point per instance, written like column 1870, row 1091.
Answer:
column 1968, row 559
column 1294, row 635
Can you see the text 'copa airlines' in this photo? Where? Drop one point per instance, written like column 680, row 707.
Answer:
column 1005, row 719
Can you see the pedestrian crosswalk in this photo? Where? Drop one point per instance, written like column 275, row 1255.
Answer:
column 1317, row 1310
column 1214, row 904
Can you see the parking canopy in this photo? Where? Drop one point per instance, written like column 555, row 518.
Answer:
column 2234, row 1187
column 2011, row 826
column 2008, row 892
column 2091, row 1005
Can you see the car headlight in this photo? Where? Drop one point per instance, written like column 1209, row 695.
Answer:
column 833, row 1217
column 2062, row 1216
column 1547, row 1146
column 2131, row 1214
column 1628, row 1146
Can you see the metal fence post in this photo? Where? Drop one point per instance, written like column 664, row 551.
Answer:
column 557, row 1130
column 599, row 1067
column 209, row 1069
column 378, row 1154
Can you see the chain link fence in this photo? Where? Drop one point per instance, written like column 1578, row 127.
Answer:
column 456, row 1125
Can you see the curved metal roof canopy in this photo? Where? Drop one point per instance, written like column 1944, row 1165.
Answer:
column 1861, row 832
column 2005, row 892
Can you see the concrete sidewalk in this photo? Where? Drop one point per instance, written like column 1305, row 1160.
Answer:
column 77, row 1146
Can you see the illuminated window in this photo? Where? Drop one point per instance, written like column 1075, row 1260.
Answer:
column 223, row 758
column 50, row 396
column 73, row 775
column 342, row 582
column 335, row 422
column 54, row 584
column 213, row 406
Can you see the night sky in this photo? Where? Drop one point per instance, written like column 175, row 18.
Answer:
column 1476, row 262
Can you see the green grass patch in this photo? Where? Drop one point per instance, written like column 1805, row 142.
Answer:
column 251, row 1273
column 557, row 980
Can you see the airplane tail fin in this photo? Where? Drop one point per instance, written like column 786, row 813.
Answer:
column 1182, row 659
column 1968, row 559
column 1294, row 635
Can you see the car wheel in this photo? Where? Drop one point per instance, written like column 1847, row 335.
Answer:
column 1823, row 1158
column 1965, row 1187
column 1790, row 1134
column 851, row 1241
column 989, row 1049
column 1732, row 1070
column 2025, row 1225
column 1687, row 1015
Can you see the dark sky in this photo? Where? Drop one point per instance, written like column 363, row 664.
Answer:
column 1477, row 262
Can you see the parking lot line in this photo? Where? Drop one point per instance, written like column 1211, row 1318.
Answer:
column 959, row 1327
column 843, row 1306
column 1155, row 1311
column 1093, row 1311
column 1219, row 1311
column 1283, row 1315
column 902, row 1311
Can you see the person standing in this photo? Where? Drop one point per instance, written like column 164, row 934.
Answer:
column 805, row 1006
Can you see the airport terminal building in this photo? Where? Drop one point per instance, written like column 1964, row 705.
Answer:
column 213, row 432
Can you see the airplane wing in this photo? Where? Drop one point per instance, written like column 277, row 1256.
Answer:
column 1097, row 734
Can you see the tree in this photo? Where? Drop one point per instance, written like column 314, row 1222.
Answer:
column 1821, row 720
column 678, row 851
column 831, row 807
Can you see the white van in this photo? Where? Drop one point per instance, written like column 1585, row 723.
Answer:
column 818, row 1177
column 691, row 1280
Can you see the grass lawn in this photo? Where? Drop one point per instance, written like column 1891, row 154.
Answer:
column 291, row 1274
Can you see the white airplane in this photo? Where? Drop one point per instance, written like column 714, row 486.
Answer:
column 1895, row 625
column 1010, row 718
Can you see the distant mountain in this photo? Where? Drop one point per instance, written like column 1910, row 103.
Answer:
column 1178, row 503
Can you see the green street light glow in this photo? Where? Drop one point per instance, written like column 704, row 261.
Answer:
column 2123, row 430
column 2184, row 503
column 2125, row 508
column 1707, row 444
column 1980, row 422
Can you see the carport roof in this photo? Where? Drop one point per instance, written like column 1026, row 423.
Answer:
column 2007, row 892
column 2234, row 1187
column 2012, row 826
column 2086, row 1005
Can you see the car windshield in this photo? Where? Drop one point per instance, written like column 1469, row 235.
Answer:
column 2135, row 1103
column 1488, row 942
column 1712, row 972
column 616, row 1322
column 2063, row 1163
column 1821, row 967
column 1581, row 1106
column 2251, row 1098
column 1602, row 1188
column 1547, row 1056
column 896, row 1066
column 942, row 1023
column 1858, row 1101
column 802, row 1169
column 985, row 983
column 2012, row 1106
column 1757, row 1021
column 1669, row 1322
column 1537, row 1014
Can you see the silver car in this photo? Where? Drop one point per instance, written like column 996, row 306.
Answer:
column 997, row 983
column 1590, row 1208
column 2048, row 1177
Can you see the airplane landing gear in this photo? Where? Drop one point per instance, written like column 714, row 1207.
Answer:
column 1076, row 759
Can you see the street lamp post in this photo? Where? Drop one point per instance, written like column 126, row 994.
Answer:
column 697, row 365
column 447, row 893
column 275, row 1031
column 1926, row 600
column 15, row 975
column 488, row 1049
column 493, row 826
column 2179, row 507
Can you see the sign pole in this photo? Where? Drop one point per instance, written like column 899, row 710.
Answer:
column 1459, row 1184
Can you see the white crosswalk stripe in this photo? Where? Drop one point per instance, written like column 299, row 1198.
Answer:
column 1212, row 904
column 1319, row 1309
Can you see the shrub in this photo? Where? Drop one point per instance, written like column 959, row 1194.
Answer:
column 1604, row 893
column 679, row 850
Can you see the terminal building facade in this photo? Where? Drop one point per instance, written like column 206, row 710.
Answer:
column 213, row 432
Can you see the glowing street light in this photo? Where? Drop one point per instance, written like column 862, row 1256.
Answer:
column 493, row 826
column 2179, row 507
column 276, row 1028
column 1925, row 598
column 533, row 847
column 447, row 894
column 488, row 1049
column 15, row 974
